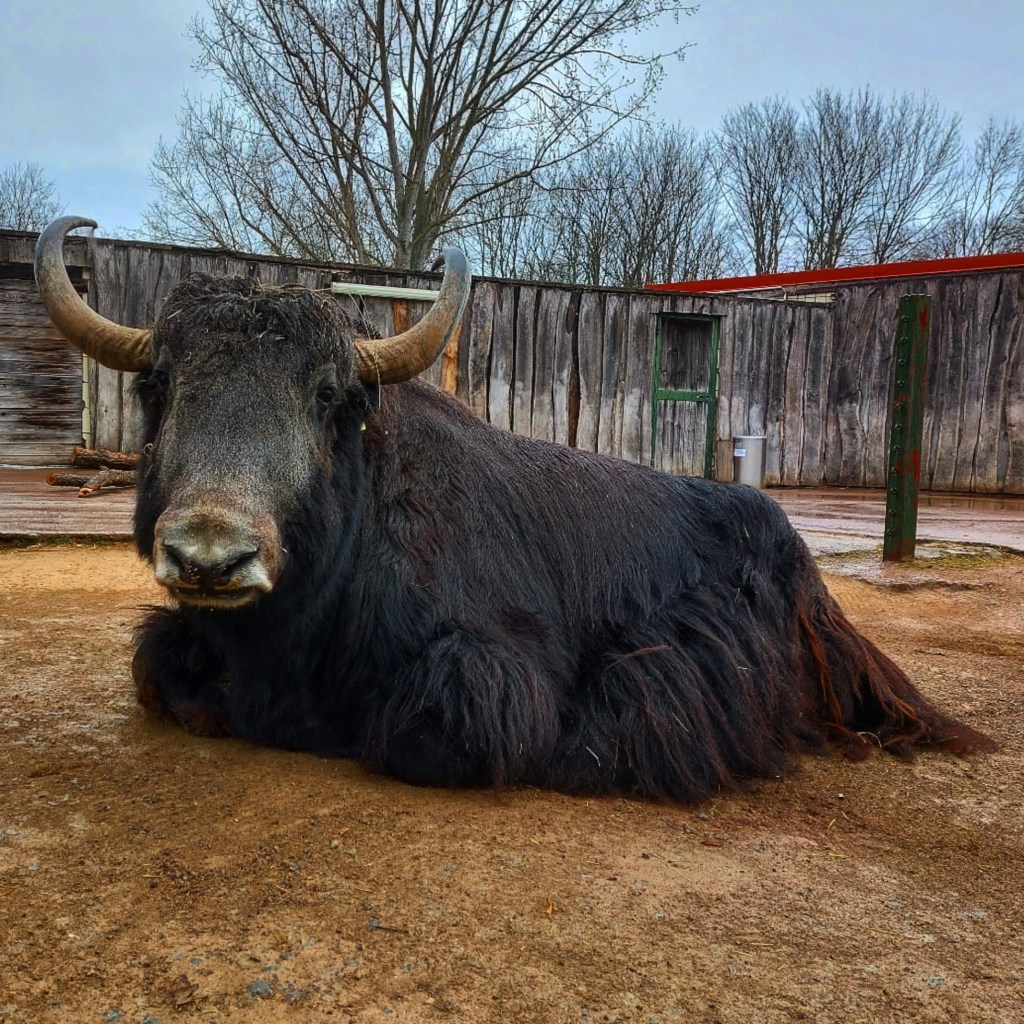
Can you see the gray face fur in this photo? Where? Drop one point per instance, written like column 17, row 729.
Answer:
column 243, row 405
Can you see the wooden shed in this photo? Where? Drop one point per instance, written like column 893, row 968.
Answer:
column 41, row 384
column 824, row 403
column 667, row 375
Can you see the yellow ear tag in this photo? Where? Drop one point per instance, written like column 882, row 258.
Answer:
column 363, row 427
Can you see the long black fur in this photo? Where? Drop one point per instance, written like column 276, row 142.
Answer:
column 462, row 606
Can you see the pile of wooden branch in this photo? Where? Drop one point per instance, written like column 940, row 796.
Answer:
column 106, row 469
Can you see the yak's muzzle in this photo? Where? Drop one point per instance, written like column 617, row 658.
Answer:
column 213, row 560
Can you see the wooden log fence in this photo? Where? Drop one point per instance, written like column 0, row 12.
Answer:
column 575, row 365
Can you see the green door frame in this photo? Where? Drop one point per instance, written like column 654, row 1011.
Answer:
column 708, row 398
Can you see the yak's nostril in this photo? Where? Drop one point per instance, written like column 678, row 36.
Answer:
column 208, row 566
column 176, row 559
column 229, row 570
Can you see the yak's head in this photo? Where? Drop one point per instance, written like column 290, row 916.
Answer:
column 253, row 399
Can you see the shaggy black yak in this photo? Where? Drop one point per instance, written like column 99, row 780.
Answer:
column 362, row 568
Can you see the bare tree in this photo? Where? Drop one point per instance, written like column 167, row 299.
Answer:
column 640, row 206
column 28, row 200
column 503, row 233
column 841, row 161
column 987, row 214
column 373, row 125
column 758, row 156
column 921, row 156
column 226, row 186
column 672, row 223
column 668, row 212
column 581, row 224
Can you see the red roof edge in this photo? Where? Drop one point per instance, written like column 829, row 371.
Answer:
column 838, row 275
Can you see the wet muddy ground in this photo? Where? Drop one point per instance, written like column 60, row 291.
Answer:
column 149, row 876
column 831, row 519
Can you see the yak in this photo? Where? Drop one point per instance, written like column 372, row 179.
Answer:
column 359, row 567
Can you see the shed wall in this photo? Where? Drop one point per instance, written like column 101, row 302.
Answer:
column 575, row 365
column 40, row 381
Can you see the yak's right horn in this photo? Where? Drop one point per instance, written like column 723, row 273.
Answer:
column 402, row 357
column 120, row 348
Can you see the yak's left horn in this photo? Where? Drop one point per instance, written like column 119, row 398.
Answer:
column 120, row 348
column 402, row 357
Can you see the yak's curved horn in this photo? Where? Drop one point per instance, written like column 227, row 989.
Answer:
column 402, row 357
column 120, row 348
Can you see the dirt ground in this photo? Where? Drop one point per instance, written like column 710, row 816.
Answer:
column 149, row 876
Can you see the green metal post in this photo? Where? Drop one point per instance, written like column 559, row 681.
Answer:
column 906, row 426
column 712, row 401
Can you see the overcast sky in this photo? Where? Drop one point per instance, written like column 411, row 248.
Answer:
column 88, row 88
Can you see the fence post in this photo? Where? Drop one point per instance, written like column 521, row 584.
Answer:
column 903, row 470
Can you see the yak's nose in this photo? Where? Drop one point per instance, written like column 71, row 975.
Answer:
column 203, row 565
column 202, row 557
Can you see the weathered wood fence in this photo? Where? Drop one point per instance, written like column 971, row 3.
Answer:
column 974, row 400
column 576, row 365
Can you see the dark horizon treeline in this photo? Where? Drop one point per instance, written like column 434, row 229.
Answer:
column 840, row 179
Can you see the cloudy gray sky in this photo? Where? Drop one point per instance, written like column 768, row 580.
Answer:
column 88, row 89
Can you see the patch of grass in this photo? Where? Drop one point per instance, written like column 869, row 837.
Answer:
column 931, row 554
column 855, row 555
column 963, row 556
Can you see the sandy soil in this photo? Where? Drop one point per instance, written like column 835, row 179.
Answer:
column 149, row 876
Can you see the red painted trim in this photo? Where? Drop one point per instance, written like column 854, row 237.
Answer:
column 838, row 275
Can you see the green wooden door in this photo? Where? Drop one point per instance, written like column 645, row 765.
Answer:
column 684, row 394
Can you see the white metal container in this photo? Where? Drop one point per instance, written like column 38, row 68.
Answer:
column 748, row 453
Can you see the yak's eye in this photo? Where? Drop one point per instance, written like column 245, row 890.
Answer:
column 326, row 393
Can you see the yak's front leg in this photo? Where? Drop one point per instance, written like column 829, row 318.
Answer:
column 175, row 673
column 469, row 711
